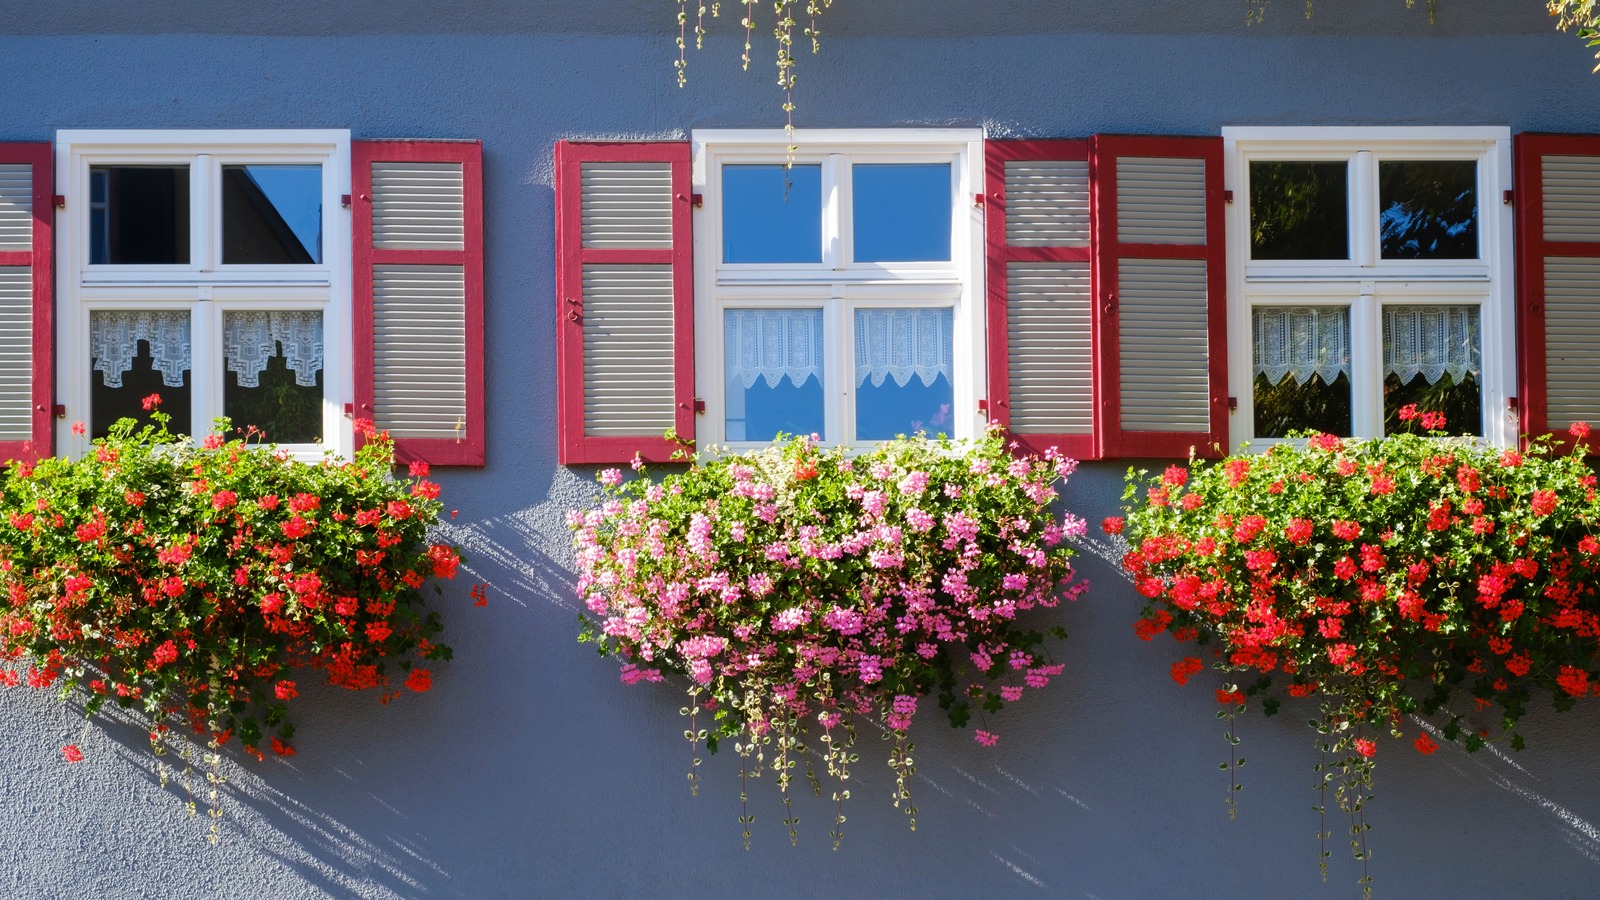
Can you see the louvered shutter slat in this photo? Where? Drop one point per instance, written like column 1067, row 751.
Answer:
column 1558, row 296
column 1051, row 348
column 625, row 300
column 1160, row 263
column 419, row 322
column 16, row 356
column 1041, row 316
column 27, row 390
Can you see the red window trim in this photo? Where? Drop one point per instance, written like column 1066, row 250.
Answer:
column 576, row 447
column 997, row 254
column 1105, row 150
column 40, row 257
column 470, row 449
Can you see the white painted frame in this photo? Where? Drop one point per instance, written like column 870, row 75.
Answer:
column 205, row 286
column 1364, row 282
column 837, row 285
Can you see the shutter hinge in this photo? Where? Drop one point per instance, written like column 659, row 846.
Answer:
column 695, row 200
column 349, row 410
column 1512, row 404
column 699, row 407
column 1227, row 196
column 977, row 199
column 1233, row 404
column 1506, row 197
column 344, row 200
column 60, row 200
column 59, row 410
column 983, row 406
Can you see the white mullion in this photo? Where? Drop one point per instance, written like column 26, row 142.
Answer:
column 1364, row 210
column 838, row 246
column 838, row 368
column 204, row 242
column 1366, row 365
column 205, row 371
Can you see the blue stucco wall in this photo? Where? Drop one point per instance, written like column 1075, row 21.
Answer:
column 530, row 771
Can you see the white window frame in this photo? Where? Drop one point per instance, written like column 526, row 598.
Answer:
column 834, row 286
column 204, row 287
column 1365, row 282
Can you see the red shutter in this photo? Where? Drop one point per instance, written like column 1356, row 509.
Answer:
column 26, row 263
column 624, row 300
column 418, row 300
column 1160, row 282
column 1041, row 310
column 1558, row 262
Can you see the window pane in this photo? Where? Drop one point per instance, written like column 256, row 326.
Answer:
column 1432, row 358
column 902, row 212
column 1301, row 357
column 273, row 381
column 133, row 355
column 903, row 372
column 272, row 214
column 1461, row 402
column 773, row 364
column 772, row 214
column 1299, row 210
column 1428, row 210
column 146, row 215
column 1289, row 405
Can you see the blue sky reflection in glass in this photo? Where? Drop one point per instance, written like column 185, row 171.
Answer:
column 902, row 212
column 272, row 214
column 771, row 214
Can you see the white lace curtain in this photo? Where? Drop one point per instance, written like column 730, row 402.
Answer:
column 249, row 339
column 1431, row 341
column 1302, row 341
column 114, row 337
column 902, row 344
column 771, row 345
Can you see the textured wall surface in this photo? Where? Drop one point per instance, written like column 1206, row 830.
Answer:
column 530, row 771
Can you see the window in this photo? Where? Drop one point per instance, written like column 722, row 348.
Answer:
column 214, row 269
column 293, row 281
column 1369, row 269
column 835, row 288
column 889, row 282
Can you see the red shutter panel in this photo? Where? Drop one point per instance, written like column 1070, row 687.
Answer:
column 27, row 363
column 1160, row 283
column 1040, row 305
column 1558, row 290
column 624, row 300
column 418, row 300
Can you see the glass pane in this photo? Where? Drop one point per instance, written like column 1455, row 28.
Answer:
column 146, row 215
column 272, row 215
column 1432, row 357
column 1299, row 210
column 772, row 214
column 772, row 365
column 273, row 381
column 903, row 372
column 1428, row 210
column 1290, row 405
column 132, row 356
column 902, row 212
column 1461, row 402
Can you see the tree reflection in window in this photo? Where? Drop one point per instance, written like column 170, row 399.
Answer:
column 1428, row 210
column 1299, row 210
